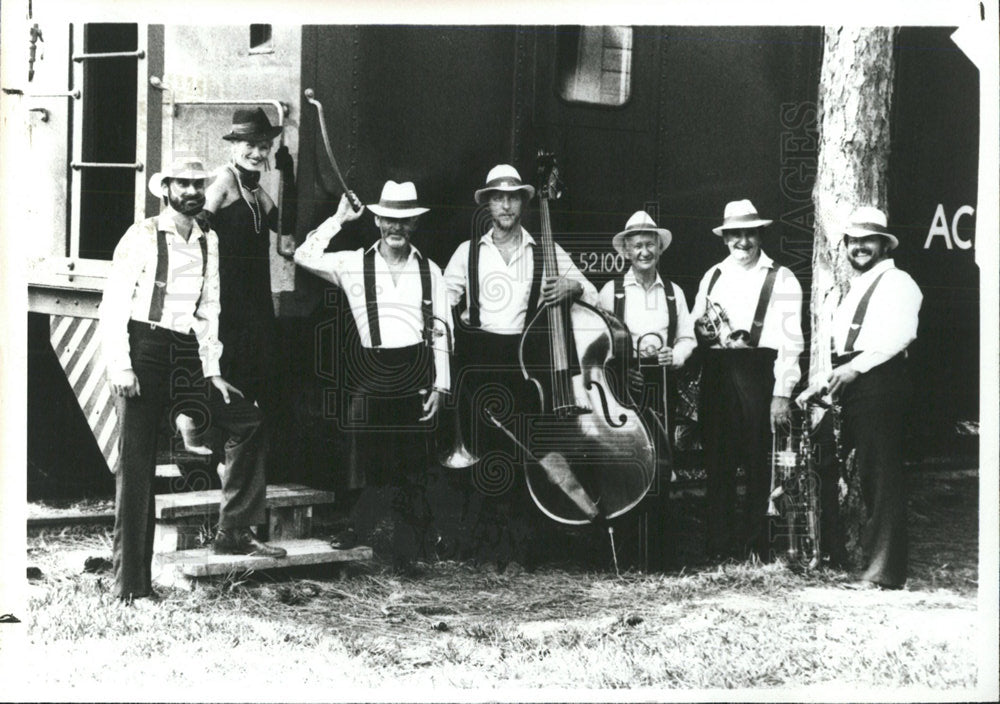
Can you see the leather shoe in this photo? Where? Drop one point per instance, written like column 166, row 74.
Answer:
column 243, row 542
column 345, row 540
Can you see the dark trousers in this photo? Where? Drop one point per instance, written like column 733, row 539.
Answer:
column 390, row 446
column 500, row 518
column 647, row 536
column 874, row 408
column 170, row 378
column 735, row 404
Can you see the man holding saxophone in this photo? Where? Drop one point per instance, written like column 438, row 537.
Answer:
column 749, row 325
column 873, row 325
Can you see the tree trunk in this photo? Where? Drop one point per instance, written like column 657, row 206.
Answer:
column 855, row 96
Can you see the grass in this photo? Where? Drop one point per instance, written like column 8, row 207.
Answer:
column 460, row 628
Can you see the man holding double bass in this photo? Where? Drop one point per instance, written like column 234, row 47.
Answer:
column 497, row 283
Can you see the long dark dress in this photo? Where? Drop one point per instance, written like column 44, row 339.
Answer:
column 247, row 326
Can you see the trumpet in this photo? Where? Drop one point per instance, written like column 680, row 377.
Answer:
column 457, row 456
column 714, row 326
column 795, row 486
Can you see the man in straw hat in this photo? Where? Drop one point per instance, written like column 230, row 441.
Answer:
column 498, row 283
column 159, row 322
column 872, row 327
column 400, row 305
column 748, row 320
column 662, row 329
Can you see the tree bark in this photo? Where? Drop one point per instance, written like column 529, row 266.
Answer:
column 855, row 97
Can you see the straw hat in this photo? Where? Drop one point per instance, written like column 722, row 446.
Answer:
column 641, row 222
column 398, row 200
column 740, row 214
column 867, row 220
column 182, row 167
column 505, row 178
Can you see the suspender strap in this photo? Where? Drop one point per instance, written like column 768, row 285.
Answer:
column 668, row 292
column 203, row 243
column 620, row 297
column 160, row 282
column 711, row 283
column 371, row 304
column 536, row 283
column 762, row 304
column 426, row 301
column 859, row 316
column 473, row 282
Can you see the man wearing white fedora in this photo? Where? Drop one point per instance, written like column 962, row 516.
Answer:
column 497, row 282
column 873, row 326
column 159, row 321
column 400, row 304
column 748, row 320
column 656, row 314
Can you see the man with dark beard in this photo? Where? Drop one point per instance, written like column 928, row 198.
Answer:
column 872, row 327
column 159, row 322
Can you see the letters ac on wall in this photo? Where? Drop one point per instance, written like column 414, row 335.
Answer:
column 948, row 230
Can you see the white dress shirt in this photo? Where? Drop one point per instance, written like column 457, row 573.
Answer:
column 504, row 287
column 129, row 289
column 401, row 322
column 646, row 311
column 738, row 291
column 890, row 323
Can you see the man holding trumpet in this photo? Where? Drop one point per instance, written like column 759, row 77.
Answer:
column 662, row 330
column 748, row 321
column 872, row 327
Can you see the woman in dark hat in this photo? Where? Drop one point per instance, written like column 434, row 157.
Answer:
column 243, row 216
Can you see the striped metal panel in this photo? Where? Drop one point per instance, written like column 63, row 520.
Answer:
column 77, row 345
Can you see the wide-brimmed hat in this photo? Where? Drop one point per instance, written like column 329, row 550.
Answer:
column 181, row 167
column 398, row 200
column 505, row 178
column 641, row 222
column 867, row 220
column 251, row 126
column 740, row 214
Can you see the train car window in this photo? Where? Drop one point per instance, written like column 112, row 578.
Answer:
column 261, row 39
column 594, row 65
column 108, row 138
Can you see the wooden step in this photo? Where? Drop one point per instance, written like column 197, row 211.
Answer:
column 182, row 568
column 206, row 503
column 185, row 520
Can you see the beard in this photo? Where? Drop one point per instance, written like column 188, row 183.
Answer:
column 862, row 267
column 187, row 205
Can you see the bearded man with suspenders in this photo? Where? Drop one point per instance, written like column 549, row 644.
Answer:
column 159, row 323
column 749, row 322
column 396, row 375
column 497, row 286
column 656, row 314
column 872, row 327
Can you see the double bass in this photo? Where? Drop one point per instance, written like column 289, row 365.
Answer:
column 589, row 453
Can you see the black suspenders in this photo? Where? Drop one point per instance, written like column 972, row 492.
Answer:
column 473, row 284
column 762, row 302
column 371, row 300
column 668, row 293
column 859, row 315
column 162, row 270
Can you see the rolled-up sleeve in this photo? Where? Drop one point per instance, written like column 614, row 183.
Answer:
column 568, row 269
column 684, row 342
column 788, row 339
column 442, row 361
column 206, row 316
column 116, row 304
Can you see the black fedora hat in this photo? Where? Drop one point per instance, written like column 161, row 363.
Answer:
column 251, row 126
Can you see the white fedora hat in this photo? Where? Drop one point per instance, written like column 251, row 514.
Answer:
column 740, row 214
column 641, row 222
column 867, row 220
column 181, row 167
column 398, row 200
column 504, row 177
